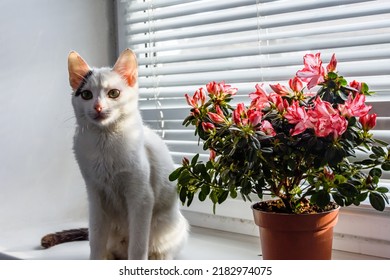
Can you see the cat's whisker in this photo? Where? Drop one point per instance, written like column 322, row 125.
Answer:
column 68, row 119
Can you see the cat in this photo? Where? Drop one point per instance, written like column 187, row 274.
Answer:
column 133, row 207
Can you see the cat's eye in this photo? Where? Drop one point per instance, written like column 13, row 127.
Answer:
column 113, row 93
column 86, row 95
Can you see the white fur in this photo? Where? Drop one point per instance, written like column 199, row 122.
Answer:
column 133, row 208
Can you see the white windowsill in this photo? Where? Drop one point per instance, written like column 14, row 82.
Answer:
column 361, row 233
column 203, row 244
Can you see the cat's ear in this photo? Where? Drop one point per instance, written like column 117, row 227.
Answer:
column 77, row 68
column 127, row 67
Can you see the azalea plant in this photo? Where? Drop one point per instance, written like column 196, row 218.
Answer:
column 292, row 143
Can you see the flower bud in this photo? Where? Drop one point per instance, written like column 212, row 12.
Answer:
column 356, row 85
column 328, row 172
column 185, row 161
column 279, row 89
column 213, row 154
column 208, row 127
column 332, row 64
column 296, row 84
column 215, row 117
column 368, row 121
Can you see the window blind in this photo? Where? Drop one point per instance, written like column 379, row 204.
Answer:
column 184, row 44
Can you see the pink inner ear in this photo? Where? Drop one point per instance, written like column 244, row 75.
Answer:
column 129, row 76
column 126, row 66
column 78, row 69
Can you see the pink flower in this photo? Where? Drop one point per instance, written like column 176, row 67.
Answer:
column 190, row 101
column 267, row 128
column 356, row 85
column 217, row 117
column 239, row 113
column 208, row 127
column 313, row 72
column 259, row 98
column 244, row 117
column 220, row 89
column 297, row 115
column 355, row 106
column 213, row 88
column 326, row 120
column 332, row 64
column 254, row 117
column 279, row 89
column 259, row 94
column 280, row 103
column 335, row 125
column 296, row 84
column 322, row 109
column 197, row 100
column 368, row 121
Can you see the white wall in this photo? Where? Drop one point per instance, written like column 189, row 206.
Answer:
column 39, row 178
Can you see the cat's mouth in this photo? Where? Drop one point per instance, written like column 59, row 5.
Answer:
column 100, row 116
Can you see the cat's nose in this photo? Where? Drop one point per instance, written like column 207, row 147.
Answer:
column 98, row 108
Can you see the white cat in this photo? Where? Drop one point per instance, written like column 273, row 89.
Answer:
column 133, row 208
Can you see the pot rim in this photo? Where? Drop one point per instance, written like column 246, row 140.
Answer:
column 290, row 214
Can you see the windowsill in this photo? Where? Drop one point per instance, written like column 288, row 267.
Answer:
column 203, row 244
column 361, row 233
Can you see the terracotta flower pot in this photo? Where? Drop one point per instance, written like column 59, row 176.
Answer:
column 296, row 237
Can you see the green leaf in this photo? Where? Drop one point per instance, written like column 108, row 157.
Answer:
column 386, row 166
column 366, row 162
column 332, row 75
column 188, row 120
column 205, row 190
column 233, row 193
column 377, row 201
column 381, row 142
column 375, row 172
column 214, row 197
column 202, row 196
column 195, row 159
column 382, row 190
column 348, row 190
column 343, row 81
column 184, row 177
column 338, row 199
column 321, row 198
column 209, row 165
column 183, row 195
column 190, row 197
column 362, row 196
column 175, row 174
column 364, row 88
column 378, row 151
column 223, row 197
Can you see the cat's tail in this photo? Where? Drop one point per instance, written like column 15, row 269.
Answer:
column 56, row 238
